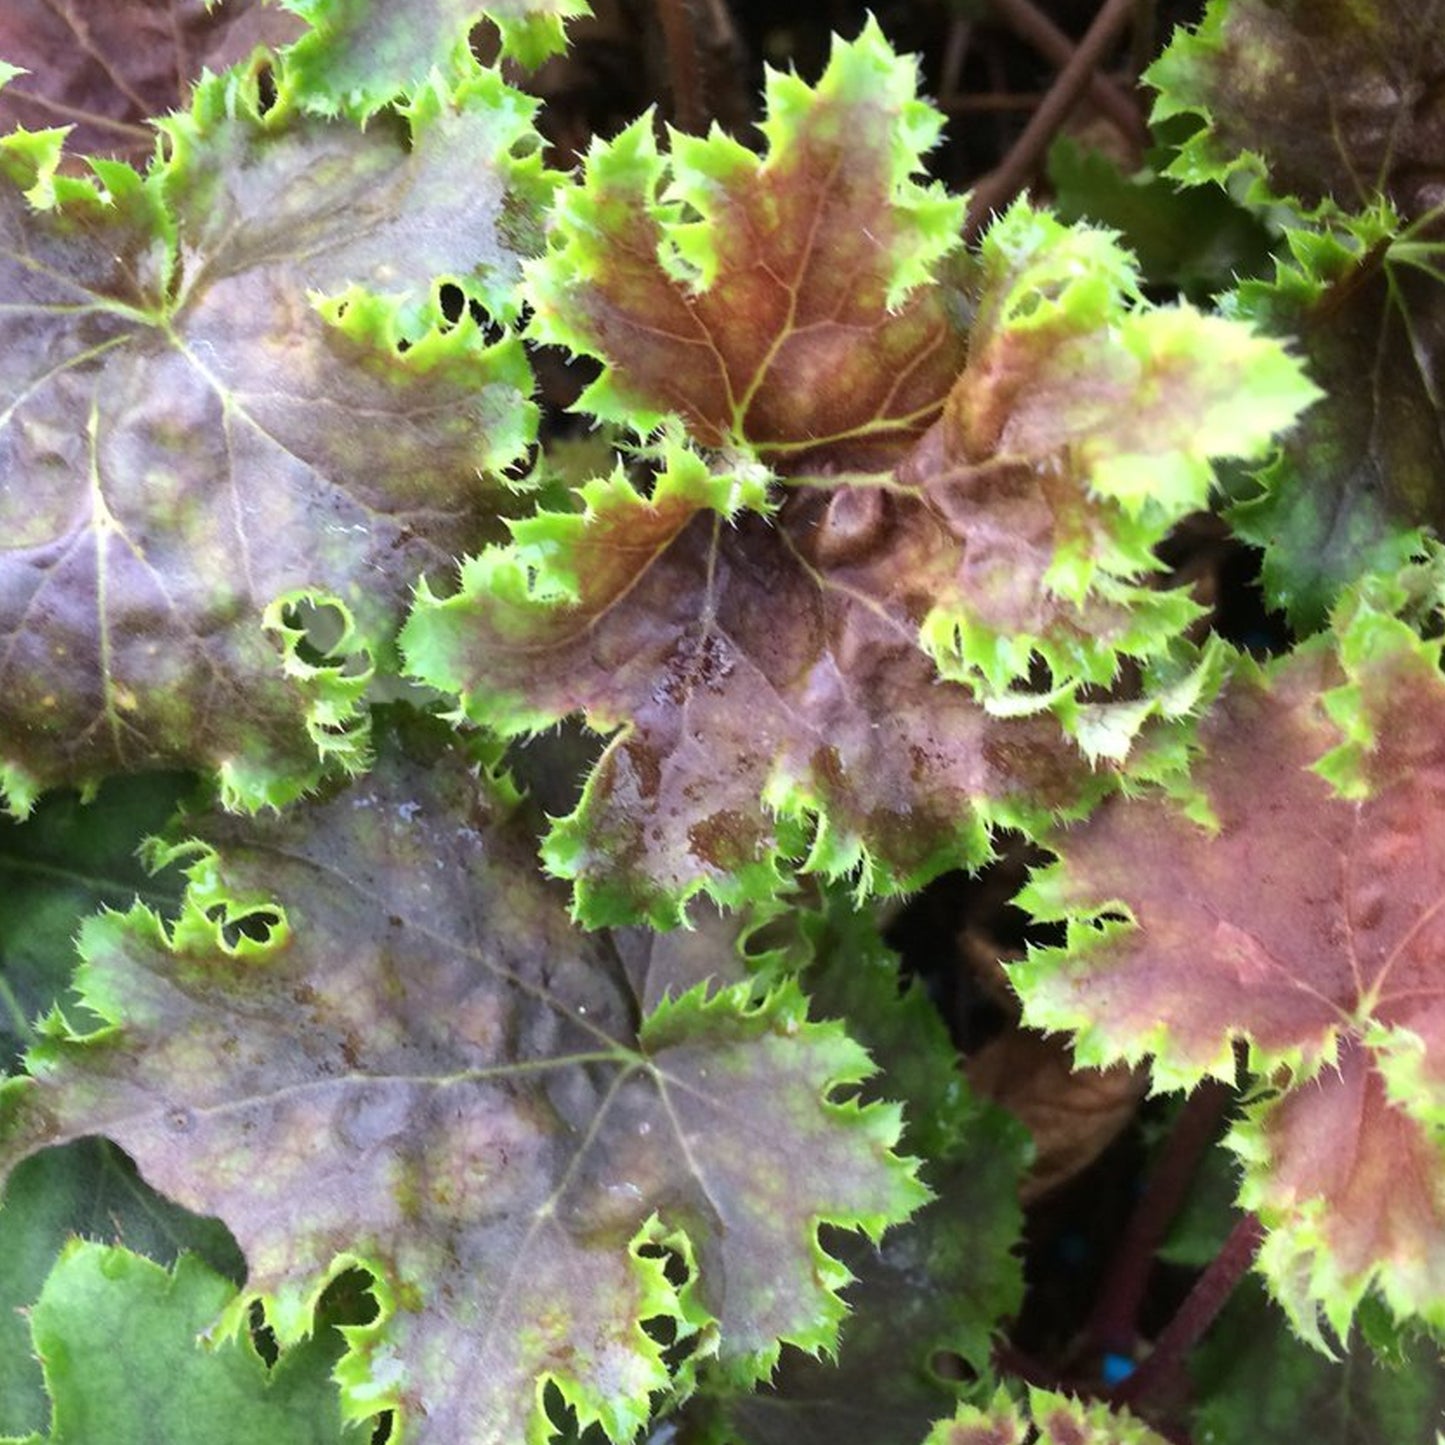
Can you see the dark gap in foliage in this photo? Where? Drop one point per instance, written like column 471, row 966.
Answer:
column 349, row 1299
column 951, row 934
column 553, row 766
column 564, row 1421
column 263, row 1337
column 451, row 301
column 266, row 93
column 1070, row 1235
column 384, row 1425
column 1224, row 575
column 521, row 469
column 256, row 925
column 949, row 1365
column 322, row 626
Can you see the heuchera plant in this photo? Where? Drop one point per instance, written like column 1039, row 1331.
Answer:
column 465, row 1125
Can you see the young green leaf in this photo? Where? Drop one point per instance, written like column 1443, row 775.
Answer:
column 1293, row 905
column 91, row 1190
column 1050, row 1419
column 194, row 438
column 771, row 703
column 450, row 1086
column 118, row 1337
column 108, row 69
column 1326, row 100
column 780, row 303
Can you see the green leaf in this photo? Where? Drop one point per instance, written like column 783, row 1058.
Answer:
column 206, row 422
column 360, row 54
column 1360, row 476
column 941, row 1284
column 1326, row 101
column 89, row 1189
column 772, row 697
column 451, row 1087
column 1051, row 1419
column 1258, row 1385
column 64, row 861
column 1292, row 904
column 1196, row 241
column 117, row 1335
column 108, row 69
column 781, row 302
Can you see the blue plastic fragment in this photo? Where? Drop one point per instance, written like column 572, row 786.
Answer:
column 1116, row 1369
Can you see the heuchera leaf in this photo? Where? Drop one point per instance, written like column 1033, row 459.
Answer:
column 776, row 302
column 1259, row 1385
column 205, row 419
column 360, row 54
column 89, row 1189
column 1327, row 100
column 1360, row 476
column 941, row 1284
column 1050, row 1419
column 760, row 690
column 1296, row 907
column 117, row 1335
column 799, row 652
column 1079, row 432
column 106, row 69
column 450, row 1086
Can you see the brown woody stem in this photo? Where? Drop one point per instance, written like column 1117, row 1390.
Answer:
column 1035, row 28
column 1114, row 1323
column 1201, row 1307
column 998, row 188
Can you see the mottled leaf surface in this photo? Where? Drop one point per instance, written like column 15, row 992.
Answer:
column 362, row 53
column 1050, row 1419
column 1259, row 1385
column 189, row 436
column 776, row 301
column 1300, row 912
column 941, row 1284
column 1330, row 100
column 107, row 68
column 118, row 1335
column 91, row 1190
column 770, row 703
column 65, row 861
column 1361, row 474
column 1080, row 430
column 449, row 1085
